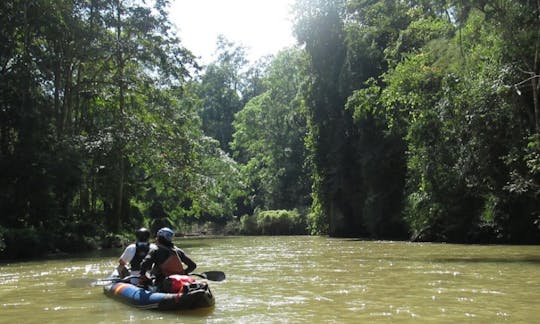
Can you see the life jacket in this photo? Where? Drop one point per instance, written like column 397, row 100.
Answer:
column 172, row 265
column 141, row 250
column 177, row 283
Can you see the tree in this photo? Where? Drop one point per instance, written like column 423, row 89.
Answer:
column 320, row 27
column 451, row 96
column 346, row 49
column 269, row 134
column 220, row 92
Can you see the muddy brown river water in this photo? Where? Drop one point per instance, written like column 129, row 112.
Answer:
column 299, row 279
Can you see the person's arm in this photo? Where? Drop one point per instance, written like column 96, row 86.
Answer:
column 127, row 255
column 187, row 261
column 147, row 262
column 122, row 270
column 125, row 258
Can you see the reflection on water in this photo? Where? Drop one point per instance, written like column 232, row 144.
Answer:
column 299, row 280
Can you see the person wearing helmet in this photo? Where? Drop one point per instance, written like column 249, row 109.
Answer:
column 165, row 260
column 134, row 254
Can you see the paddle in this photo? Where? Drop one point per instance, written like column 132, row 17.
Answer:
column 210, row 275
column 92, row 282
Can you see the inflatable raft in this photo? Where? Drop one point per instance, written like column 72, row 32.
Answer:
column 194, row 294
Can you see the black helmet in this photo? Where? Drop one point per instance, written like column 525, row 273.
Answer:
column 142, row 234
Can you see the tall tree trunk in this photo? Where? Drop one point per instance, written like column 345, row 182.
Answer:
column 536, row 73
column 535, row 91
column 118, row 199
column 68, row 102
column 535, row 83
column 57, row 109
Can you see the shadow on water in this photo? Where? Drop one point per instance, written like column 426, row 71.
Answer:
column 482, row 259
column 101, row 253
column 196, row 313
column 533, row 260
column 114, row 252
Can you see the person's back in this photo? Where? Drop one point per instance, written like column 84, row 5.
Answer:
column 141, row 250
column 135, row 253
column 166, row 259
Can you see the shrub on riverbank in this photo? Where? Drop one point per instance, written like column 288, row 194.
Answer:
column 23, row 243
column 274, row 222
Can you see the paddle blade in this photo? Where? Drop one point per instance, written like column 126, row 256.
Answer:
column 214, row 275
column 87, row 282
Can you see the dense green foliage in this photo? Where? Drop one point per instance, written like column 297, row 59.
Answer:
column 269, row 138
column 444, row 100
column 97, row 134
column 393, row 119
column 220, row 90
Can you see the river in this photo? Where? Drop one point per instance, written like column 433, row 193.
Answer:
column 299, row 279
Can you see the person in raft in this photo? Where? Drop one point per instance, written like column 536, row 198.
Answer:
column 135, row 253
column 165, row 260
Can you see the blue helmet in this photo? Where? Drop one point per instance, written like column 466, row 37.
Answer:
column 166, row 233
